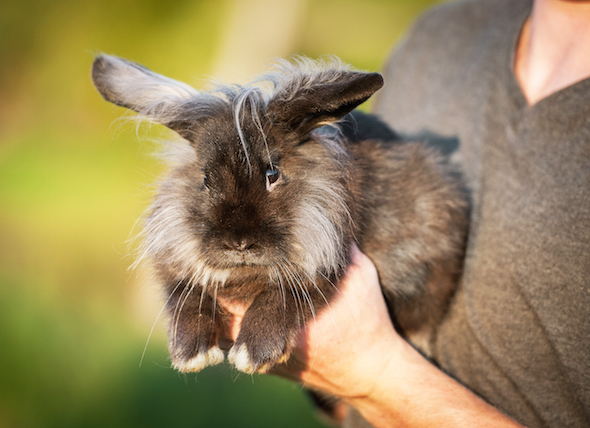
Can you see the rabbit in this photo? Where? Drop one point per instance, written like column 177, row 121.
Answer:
column 274, row 181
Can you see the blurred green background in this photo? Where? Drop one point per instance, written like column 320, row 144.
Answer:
column 74, row 179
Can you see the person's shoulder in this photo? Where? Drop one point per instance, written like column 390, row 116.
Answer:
column 466, row 16
column 450, row 32
column 473, row 10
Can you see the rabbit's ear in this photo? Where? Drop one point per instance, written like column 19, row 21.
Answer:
column 131, row 85
column 317, row 104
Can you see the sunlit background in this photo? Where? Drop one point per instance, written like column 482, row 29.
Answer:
column 74, row 179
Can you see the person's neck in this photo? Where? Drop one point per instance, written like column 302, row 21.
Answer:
column 554, row 47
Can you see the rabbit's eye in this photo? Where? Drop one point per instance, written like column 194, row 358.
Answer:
column 205, row 180
column 272, row 176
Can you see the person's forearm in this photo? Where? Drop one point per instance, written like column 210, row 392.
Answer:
column 413, row 393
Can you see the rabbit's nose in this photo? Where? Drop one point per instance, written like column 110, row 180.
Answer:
column 240, row 244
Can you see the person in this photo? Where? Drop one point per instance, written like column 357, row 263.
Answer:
column 503, row 86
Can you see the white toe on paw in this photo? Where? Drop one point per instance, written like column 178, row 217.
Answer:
column 240, row 358
column 213, row 356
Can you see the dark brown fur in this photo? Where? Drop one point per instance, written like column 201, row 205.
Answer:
column 220, row 228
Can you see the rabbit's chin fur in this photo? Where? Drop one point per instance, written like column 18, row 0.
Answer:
column 267, row 188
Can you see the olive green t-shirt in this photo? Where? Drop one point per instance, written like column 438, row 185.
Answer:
column 518, row 330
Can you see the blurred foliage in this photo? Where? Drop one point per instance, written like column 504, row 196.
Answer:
column 73, row 181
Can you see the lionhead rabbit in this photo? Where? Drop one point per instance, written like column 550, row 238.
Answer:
column 275, row 181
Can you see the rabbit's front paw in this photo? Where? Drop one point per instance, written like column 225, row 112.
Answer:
column 193, row 330
column 197, row 361
column 259, row 356
column 267, row 334
column 193, row 343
